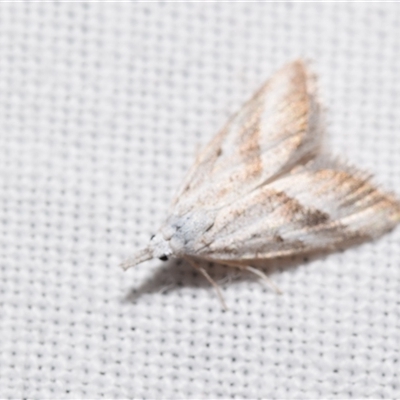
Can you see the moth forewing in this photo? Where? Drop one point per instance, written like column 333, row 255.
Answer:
column 320, row 205
column 277, row 128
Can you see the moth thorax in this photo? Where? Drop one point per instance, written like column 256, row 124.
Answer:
column 183, row 232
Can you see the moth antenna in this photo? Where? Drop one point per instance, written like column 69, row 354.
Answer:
column 139, row 257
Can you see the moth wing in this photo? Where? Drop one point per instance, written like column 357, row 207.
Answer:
column 320, row 205
column 277, row 129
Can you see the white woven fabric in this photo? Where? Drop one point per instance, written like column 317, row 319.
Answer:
column 102, row 109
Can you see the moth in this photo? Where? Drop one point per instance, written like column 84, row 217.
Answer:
column 264, row 187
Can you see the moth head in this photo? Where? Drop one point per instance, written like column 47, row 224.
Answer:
column 163, row 257
column 158, row 247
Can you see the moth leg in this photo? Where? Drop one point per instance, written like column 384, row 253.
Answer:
column 264, row 277
column 257, row 272
column 212, row 282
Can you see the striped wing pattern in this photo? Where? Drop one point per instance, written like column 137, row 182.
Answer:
column 267, row 189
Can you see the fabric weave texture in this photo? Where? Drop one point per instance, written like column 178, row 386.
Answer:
column 103, row 107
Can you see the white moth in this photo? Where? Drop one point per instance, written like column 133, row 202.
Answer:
column 263, row 188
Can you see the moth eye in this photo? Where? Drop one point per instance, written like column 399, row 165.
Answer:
column 163, row 258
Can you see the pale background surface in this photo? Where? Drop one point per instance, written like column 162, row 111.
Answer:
column 102, row 108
